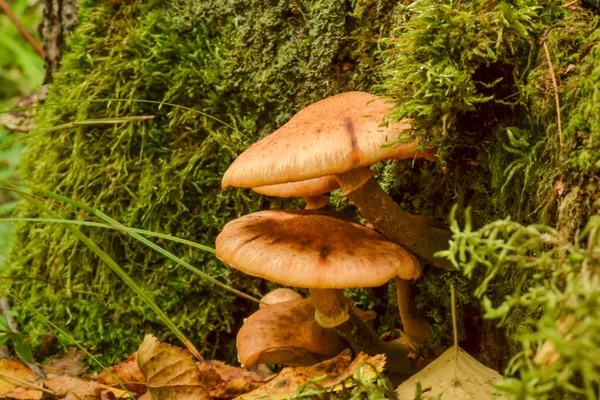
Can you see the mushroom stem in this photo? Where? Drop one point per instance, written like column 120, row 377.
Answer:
column 380, row 210
column 357, row 333
column 315, row 202
column 331, row 309
column 416, row 329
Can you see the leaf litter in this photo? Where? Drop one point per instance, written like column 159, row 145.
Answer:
column 160, row 371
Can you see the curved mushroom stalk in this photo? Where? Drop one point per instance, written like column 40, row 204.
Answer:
column 286, row 333
column 388, row 218
column 416, row 330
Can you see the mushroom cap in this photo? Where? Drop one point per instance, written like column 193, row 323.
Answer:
column 286, row 333
column 307, row 188
column 312, row 249
column 279, row 295
column 329, row 137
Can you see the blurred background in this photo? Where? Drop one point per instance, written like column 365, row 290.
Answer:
column 21, row 74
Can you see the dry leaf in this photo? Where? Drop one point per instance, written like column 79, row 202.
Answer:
column 127, row 373
column 11, row 389
column 74, row 388
column 170, row 372
column 453, row 375
column 208, row 375
column 233, row 388
column 228, row 372
column 330, row 373
column 70, row 363
column 235, row 381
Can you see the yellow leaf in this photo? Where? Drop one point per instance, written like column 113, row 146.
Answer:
column 454, row 375
column 170, row 372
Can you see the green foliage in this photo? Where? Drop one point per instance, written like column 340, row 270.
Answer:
column 21, row 346
column 558, row 288
column 21, row 68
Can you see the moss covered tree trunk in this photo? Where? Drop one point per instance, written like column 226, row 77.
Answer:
column 215, row 75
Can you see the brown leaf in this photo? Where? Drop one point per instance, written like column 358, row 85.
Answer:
column 228, row 372
column 75, row 388
column 330, row 373
column 13, row 371
column 127, row 373
column 234, row 381
column 233, row 388
column 170, row 372
column 70, row 363
column 210, row 377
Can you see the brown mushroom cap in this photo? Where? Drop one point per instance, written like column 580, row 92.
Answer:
column 279, row 295
column 286, row 333
column 329, row 137
column 307, row 188
column 312, row 249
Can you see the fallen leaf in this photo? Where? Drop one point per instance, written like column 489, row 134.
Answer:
column 331, row 374
column 233, row 388
column 209, row 376
column 12, row 371
column 228, row 372
column 70, row 363
column 127, row 373
column 235, row 381
column 453, row 375
column 170, row 372
column 75, row 388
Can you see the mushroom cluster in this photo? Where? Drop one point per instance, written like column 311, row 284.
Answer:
column 328, row 145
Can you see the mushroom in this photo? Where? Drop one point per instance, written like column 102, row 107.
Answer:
column 311, row 190
column 324, row 253
column 342, row 135
column 279, row 295
column 286, row 333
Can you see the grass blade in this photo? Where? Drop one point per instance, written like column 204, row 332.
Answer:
column 96, row 121
column 122, row 274
column 118, row 228
column 106, row 100
column 140, row 238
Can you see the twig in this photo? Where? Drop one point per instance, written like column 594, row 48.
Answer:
column 21, row 28
column 570, row 3
column 555, row 85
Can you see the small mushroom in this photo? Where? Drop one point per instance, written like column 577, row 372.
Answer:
column 286, row 333
column 311, row 190
column 319, row 251
column 279, row 296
